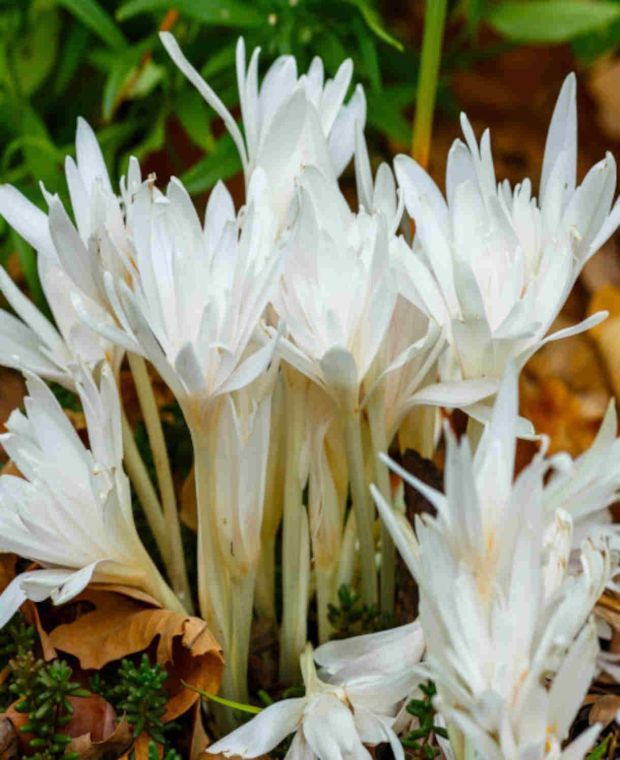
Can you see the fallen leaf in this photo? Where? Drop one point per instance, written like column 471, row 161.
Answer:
column 607, row 334
column 604, row 709
column 8, row 740
column 119, row 626
column 139, row 750
column 12, row 392
column 7, row 569
column 115, row 744
column 604, row 85
column 200, row 739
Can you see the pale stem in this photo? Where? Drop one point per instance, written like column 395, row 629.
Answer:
column 160, row 590
column 362, row 505
column 324, row 597
column 242, row 604
column 213, row 577
column 346, row 560
column 265, row 579
column 138, row 474
column 294, row 607
column 157, row 442
column 376, row 421
column 432, row 42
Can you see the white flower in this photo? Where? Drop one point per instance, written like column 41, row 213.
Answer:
column 334, row 719
column 587, row 486
column 289, row 122
column 503, row 263
column 192, row 297
column 500, row 611
column 64, row 255
column 338, row 291
column 71, row 513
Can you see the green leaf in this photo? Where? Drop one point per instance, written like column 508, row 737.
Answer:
column 35, row 51
column 551, row 21
column 223, row 163
column 216, row 12
column 93, row 16
column 369, row 55
column 373, row 22
column 600, row 750
column 73, row 50
column 193, row 113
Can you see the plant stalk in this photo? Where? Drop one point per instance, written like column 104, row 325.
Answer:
column 294, row 605
column 362, row 505
column 152, row 421
column 376, row 421
column 138, row 474
column 432, row 42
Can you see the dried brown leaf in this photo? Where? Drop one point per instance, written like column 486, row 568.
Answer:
column 115, row 744
column 604, row 709
column 120, row 625
column 188, row 511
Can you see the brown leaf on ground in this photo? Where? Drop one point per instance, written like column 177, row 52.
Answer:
column 31, row 612
column 188, row 511
column 120, row 625
column 8, row 740
column 12, row 391
column 200, row 739
column 607, row 334
column 569, row 419
column 604, row 86
column 604, row 709
column 139, row 750
column 7, row 569
column 115, row 744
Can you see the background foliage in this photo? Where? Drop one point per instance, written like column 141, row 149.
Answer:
column 101, row 59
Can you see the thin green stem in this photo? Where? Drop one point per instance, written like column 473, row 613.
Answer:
column 432, row 42
column 362, row 505
column 376, row 421
column 138, row 474
column 152, row 421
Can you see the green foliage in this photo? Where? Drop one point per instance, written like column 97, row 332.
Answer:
column 420, row 741
column 170, row 754
column 45, row 699
column 351, row 617
column 140, row 695
column 17, row 640
column 600, row 750
column 17, row 637
column 552, row 21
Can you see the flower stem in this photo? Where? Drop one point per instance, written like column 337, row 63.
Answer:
column 152, row 421
column 138, row 474
column 324, row 596
column 362, row 505
column 376, row 420
column 242, row 604
column 213, row 577
column 294, row 558
column 432, row 41
column 265, row 579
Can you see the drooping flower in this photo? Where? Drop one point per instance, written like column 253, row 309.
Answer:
column 32, row 343
column 71, row 511
column 289, row 122
column 503, row 263
column 504, row 617
column 334, row 719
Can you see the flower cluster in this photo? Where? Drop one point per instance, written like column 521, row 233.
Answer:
column 301, row 339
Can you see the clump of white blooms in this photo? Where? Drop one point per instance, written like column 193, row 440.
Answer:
column 301, row 338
